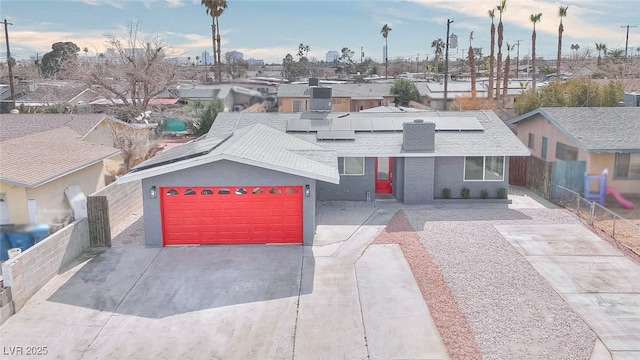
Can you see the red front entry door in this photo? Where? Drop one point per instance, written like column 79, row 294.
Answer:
column 384, row 175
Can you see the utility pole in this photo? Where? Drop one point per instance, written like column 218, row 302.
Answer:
column 446, row 65
column 626, row 44
column 9, row 64
column 361, row 54
column 518, row 58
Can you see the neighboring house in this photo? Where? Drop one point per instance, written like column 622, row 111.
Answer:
column 59, row 94
column 42, row 154
column 256, row 177
column 234, row 98
column 38, row 164
column 432, row 93
column 606, row 138
column 344, row 97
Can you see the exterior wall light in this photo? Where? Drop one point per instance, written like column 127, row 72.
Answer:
column 307, row 190
column 153, row 192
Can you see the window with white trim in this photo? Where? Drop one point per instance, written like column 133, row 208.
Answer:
column 351, row 165
column 484, row 168
column 627, row 166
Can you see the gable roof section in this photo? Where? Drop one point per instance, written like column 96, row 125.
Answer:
column 495, row 140
column 255, row 145
column 38, row 158
column 610, row 129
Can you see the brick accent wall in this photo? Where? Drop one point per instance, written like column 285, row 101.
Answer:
column 418, row 136
column 418, row 180
column 124, row 199
column 30, row 271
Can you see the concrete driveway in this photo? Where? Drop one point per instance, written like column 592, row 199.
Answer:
column 335, row 300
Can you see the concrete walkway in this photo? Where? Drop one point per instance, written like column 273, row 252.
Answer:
column 595, row 279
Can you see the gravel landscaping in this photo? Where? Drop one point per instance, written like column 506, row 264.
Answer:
column 511, row 310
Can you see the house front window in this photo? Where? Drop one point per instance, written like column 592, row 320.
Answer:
column 566, row 152
column 351, row 165
column 484, row 168
column 627, row 166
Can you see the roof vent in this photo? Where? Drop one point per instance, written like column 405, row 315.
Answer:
column 418, row 121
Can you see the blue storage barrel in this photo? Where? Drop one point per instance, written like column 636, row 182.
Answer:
column 39, row 232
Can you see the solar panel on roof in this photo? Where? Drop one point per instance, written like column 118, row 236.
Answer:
column 335, row 135
column 469, row 123
column 447, row 124
column 382, row 124
column 361, row 125
column 340, row 124
column 298, row 125
column 314, row 115
column 186, row 151
column 324, row 124
column 397, row 124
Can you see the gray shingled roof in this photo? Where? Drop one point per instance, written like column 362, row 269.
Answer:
column 38, row 158
column 495, row 140
column 360, row 91
column 604, row 129
column 256, row 145
column 18, row 125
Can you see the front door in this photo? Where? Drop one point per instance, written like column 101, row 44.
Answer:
column 384, row 175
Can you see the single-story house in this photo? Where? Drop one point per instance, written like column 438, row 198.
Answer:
column 344, row 97
column 256, row 177
column 234, row 98
column 606, row 138
column 42, row 154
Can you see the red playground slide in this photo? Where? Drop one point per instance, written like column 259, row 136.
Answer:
column 624, row 202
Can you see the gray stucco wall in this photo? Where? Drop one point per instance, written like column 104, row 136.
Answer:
column 223, row 173
column 449, row 174
column 351, row 187
column 418, row 180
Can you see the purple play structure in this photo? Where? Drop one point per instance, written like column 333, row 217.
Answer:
column 597, row 195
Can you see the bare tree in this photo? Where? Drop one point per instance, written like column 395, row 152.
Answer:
column 134, row 144
column 137, row 74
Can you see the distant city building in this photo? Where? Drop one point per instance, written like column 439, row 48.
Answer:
column 206, row 58
column 233, row 55
column 252, row 61
column 332, row 56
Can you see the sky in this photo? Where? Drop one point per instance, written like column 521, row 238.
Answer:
column 268, row 30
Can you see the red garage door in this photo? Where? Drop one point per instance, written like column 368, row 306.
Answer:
column 231, row 215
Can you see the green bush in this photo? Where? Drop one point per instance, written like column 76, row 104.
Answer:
column 465, row 193
column 446, row 193
column 484, row 194
column 502, row 193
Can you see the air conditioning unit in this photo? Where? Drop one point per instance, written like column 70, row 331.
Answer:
column 320, row 98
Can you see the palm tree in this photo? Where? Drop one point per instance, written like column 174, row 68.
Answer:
column 472, row 67
column 215, row 8
column 535, row 18
column 602, row 47
column 385, row 33
column 438, row 47
column 575, row 47
column 492, row 14
column 505, row 86
column 501, row 8
column 562, row 12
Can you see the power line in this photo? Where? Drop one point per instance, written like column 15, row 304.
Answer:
column 626, row 44
column 9, row 64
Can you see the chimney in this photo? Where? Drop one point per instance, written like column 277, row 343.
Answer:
column 418, row 136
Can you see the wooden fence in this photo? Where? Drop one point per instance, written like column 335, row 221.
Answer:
column 99, row 226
